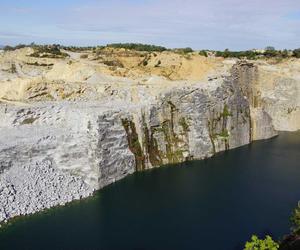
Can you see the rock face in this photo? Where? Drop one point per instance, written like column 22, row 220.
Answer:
column 173, row 130
column 278, row 92
column 245, row 75
column 92, row 133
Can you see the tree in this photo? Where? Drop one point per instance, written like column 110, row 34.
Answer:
column 187, row 50
column 284, row 53
column 270, row 53
column 203, row 53
column 226, row 53
column 8, row 48
column 184, row 50
column 265, row 244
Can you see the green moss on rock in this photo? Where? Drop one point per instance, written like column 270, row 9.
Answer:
column 134, row 144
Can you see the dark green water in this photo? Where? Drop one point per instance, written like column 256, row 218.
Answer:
column 215, row 204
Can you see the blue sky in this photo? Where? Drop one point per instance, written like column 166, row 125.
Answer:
column 200, row 24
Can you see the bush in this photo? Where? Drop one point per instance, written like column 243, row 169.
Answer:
column 80, row 49
column 137, row 47
column 271, row 53
column 257, row 244
column 113, row 63
column 184, row 50
column 203, row 53
column 8, row 48
column 187, row 50
column 296, row 53
column 252, row 55
column 249, row 54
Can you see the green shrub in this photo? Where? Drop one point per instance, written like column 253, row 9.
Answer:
column 284, row 53
column 296, row 53
column 271, row 53
column 80, row 49
column 113, row 63
column 226, row 111
column 249, row 54
column 203, row 53
column 184, row 50
column 224, row 133
column 252, row 55
column 265, row 244
column 187, row 50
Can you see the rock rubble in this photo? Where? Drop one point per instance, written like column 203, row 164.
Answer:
column 31, row 188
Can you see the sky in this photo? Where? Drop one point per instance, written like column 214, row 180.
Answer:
column 200, row 24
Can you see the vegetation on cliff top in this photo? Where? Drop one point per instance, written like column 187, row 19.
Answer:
column 137, row 47
column 49, row 51
column 268, row 52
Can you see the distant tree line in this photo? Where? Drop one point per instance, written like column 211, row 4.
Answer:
column 81, row 48
column 183, row 50
column 138, row 47
column 130, row 46
column 269, row 52
column 12, row 48
column 53, row 47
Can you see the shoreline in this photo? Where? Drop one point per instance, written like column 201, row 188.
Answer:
column 92, row 195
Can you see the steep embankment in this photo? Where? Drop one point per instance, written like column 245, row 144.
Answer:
column 61, row 139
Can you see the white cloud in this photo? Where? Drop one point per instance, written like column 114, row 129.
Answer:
column 215, row 24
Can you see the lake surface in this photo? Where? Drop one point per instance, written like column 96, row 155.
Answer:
column 214, row 204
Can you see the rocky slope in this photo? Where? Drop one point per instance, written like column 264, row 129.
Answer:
column 73, row 125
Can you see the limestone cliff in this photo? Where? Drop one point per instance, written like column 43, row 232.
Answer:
column 76, row 130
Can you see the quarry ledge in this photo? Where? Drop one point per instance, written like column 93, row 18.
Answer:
column 75, row 127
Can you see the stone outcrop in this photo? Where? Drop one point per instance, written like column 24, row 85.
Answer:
column 98, row 130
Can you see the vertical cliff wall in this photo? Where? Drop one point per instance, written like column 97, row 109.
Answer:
column 246, row 75
column 195, row 123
